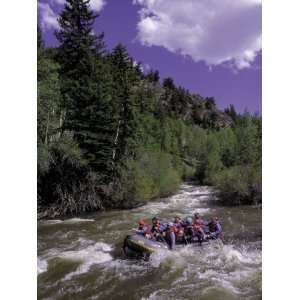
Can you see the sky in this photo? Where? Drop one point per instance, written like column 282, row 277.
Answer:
column 211, row 47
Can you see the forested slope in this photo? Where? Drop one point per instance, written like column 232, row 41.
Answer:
column 111, row 136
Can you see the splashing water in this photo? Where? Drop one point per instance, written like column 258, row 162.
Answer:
column 82, row 259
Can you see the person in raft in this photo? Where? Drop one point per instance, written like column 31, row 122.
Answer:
column 144, row 229
column 215, row 229
column 170, row 235
column 158, row 229
column 179, row 230
column 198, row 231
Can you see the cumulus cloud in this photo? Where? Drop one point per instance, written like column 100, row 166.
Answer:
column 96, row 5
column 48, row 18
column 214, row 31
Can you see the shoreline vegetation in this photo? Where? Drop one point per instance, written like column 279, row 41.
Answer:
column 111, row 136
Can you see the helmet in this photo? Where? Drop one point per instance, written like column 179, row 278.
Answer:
column 177, row 218
column 141, row 222
column 155, row 219
column 189, row 220
column 198, row 222
column 215, row 220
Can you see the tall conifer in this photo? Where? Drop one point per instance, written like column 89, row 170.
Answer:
column 86, row 85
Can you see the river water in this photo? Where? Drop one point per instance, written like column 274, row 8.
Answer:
column 81, row 258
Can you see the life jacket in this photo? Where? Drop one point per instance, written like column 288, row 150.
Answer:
column 180, row 232
column 156, row 228
column 179, row 225
column 173, row 229
column 197, row 225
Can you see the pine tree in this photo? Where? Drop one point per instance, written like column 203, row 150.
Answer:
column 230, row 111
column 125, row 77
column 153, row 76
column 86, row 85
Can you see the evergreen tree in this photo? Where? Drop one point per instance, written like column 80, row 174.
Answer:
column 230, row 111
column 153, row 76
column 168, row 83
column 125, row 77
column 210, row 103
column 85, row 85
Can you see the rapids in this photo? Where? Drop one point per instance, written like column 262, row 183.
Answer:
column 81, row 258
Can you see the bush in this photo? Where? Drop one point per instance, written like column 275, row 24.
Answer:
column 66, row 186
column 149, row 176
column 239, row 185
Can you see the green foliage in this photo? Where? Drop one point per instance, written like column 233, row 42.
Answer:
column 239, row 185
column 231, row 161
column 86, row 86
column 124, row 75
column 48, row 98
column 151, row 175
column 248, row 140
column 110, row 136
column 65, row 183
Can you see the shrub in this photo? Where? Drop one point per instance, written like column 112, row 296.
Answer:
column 239, row 185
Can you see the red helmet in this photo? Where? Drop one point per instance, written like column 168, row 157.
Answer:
column 198, row 222
column 141, row 222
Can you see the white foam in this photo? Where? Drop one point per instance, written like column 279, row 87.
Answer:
column 241, row 256
column 124, row 269
column 51, row 222
column 67, row 221
column 88, row 256
column 77, row 220
column 152, row 296
column 154, row 208
column 176, row 258
column 42, row 265
column 184, row 200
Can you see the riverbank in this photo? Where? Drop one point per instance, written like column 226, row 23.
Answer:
column 51, row 213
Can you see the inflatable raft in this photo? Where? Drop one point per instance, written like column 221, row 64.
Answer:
column 137, row 246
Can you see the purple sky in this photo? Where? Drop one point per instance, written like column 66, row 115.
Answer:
column 219, row 56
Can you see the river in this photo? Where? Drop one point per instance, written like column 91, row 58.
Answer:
column 81, row 258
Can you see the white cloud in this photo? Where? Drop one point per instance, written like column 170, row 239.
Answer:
column 96, row 5
column 48, row 18
column 61, row 2
column 214, row 31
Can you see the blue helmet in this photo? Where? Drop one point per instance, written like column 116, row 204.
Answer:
column 189, row 220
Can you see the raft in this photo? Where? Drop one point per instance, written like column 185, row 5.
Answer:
column 137, row 246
